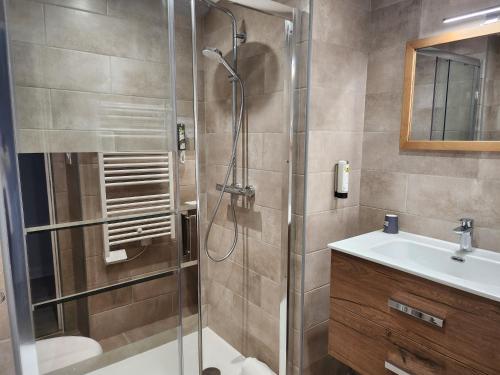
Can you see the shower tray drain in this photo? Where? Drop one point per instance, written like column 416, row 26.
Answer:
column 211, row 371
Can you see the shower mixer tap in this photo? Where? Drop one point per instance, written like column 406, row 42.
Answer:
column 236, row 189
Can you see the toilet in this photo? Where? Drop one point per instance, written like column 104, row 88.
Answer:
column 59, row 352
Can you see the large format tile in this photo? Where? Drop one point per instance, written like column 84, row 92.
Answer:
column 39, row 66
column 381, row 152
column 32, row 108
column 317, row 305
column 320, row 191
column 336, row 109
column 386, row 69
column 384, row 190
column 94, row 6
column 450, row 198
column 330, row 226
column 383, row 111
column 263, row 113
column 344, row 66
column 149, row 10
column 78, row 30
column 317, row 269
column 391, row 24
column 327, row 148
column 26, row 21
column 341, row 22
column 86, row 111
column 139, row 78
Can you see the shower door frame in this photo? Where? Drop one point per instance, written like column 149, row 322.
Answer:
column 291, row 27
column 13, row 250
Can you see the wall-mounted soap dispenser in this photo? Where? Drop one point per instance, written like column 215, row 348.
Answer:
column 342, row 179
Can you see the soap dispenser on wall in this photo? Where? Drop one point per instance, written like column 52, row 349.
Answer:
column 341, row 184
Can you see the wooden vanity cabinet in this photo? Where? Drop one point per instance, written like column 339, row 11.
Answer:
column 372, row 328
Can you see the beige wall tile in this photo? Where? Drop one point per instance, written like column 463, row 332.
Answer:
column 381, row 152
column 268, row 188
column 116, row 321
column 443, row 198
column 384, row 190
column 150, row 10
column 382, row 76
column 341, row 23
column 316, row 306
column 271, row 225
column 236, row 278
column 395, row 22
column 139, row 78
column 317, row 269
column 315, row 344
column 78, row 30
column 273, row 158
column 110, row 300
column 94, row 6
column 383, row 111
column 39, row 66
column 32, row 108
column 6, row 358
column 326, row 148
column 26, row 21
column 262, row 113
column 336, row 110
column 325, row 227
column 155, row 288
column 342, row 65
column 321, row 192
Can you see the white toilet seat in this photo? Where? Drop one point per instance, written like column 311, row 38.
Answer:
column 64, row 351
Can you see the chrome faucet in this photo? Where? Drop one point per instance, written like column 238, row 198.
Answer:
column 465, row 232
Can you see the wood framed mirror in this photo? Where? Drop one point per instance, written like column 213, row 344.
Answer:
column 451, row 94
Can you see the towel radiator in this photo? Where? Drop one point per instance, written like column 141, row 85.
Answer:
column 135, row 189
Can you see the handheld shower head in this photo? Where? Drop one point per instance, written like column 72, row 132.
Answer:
column 215, row 54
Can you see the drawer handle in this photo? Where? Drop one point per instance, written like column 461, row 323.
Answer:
column 394, row 369
column 434, row 320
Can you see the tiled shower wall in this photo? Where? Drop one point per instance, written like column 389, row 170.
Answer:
column 429, row 190
column 336, row 116
column 90, row 76
column 243, row 293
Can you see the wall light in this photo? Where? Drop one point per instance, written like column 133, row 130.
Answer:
column 484, row 12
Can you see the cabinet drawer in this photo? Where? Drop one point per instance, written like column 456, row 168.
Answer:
column 371, row 349
column 470, row 330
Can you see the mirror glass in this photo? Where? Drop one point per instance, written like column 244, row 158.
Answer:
column 457, row 91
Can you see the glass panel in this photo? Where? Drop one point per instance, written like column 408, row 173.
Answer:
column 439, row 100
column 243, row 291
column 454, row 91
column 461, row 102
column 97, row 155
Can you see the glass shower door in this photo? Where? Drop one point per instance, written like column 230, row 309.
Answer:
column 97, row 153
column 246, row 65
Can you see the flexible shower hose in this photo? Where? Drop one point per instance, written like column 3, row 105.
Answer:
column 224, row 185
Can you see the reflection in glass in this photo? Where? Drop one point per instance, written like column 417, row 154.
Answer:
column 455, row 91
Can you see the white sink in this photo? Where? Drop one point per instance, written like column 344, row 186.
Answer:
column 429, row 258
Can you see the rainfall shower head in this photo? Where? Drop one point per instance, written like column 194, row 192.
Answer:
column 215, row 54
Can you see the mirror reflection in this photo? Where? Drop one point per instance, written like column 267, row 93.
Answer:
column 456, row 91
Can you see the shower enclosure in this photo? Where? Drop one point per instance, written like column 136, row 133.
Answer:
column 152, row 181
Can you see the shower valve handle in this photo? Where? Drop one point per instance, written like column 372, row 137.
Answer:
column 247, row 191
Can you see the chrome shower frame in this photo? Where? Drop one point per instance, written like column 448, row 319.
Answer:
column 292, row 17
